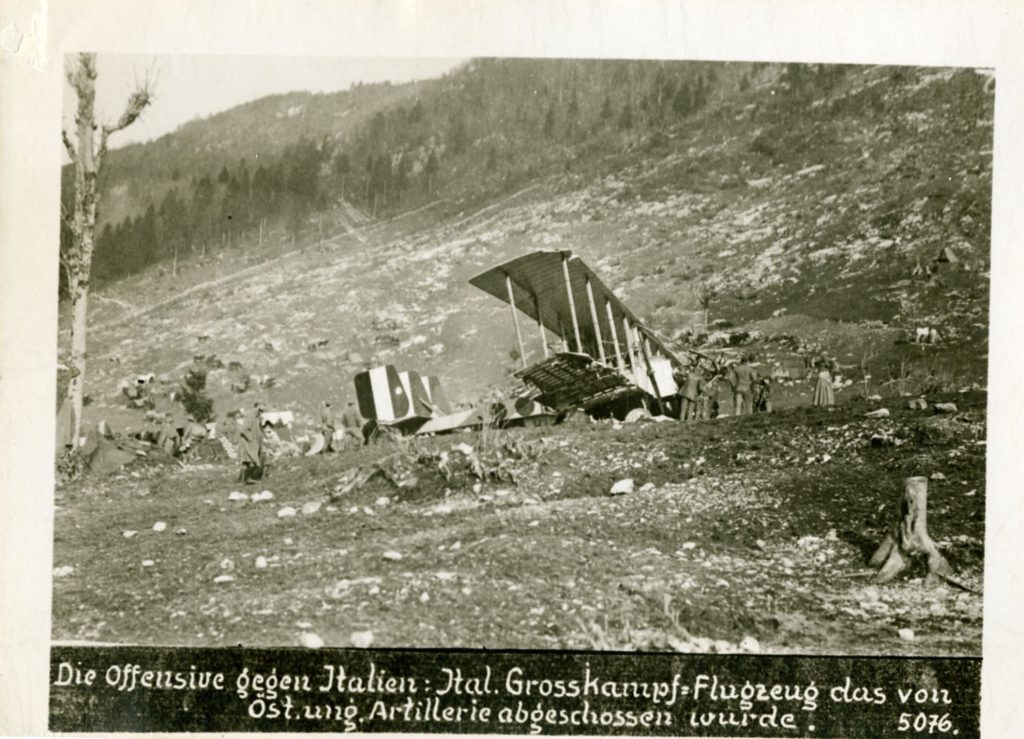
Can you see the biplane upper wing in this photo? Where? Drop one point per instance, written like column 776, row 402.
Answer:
column 558, row 291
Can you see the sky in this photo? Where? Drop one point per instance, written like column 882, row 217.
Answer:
column 188, row 87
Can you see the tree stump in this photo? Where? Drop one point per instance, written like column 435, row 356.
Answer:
column 908, row 539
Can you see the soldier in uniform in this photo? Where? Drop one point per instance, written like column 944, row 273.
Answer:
column 250, row 447
column 352, row 422
column 693, row 387
column 742, row 379
column 327, row 426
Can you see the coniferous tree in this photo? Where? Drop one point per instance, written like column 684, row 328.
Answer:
column 549, row 122
column 430, row 170
column 626, row 117
column 342, row 168
column 572, row 115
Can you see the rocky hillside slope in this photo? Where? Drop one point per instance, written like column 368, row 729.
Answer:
column 800, row 199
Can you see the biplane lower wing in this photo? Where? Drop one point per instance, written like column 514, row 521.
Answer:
column 572, row 380
column 473, row 418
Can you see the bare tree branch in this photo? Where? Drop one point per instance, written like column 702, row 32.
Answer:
column 138, row 101
column 72, row 152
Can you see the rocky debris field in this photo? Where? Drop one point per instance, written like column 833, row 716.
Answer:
column 739, row 534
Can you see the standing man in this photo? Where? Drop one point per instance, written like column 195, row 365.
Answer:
column 327, row 426
column 250, row 447
column 708, row 394
column 352, row 422
column 693, row 386
column 764, row 396
column 742, row 379
column 824, row 393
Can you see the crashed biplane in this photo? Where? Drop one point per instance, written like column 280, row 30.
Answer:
column 414, row 404
column 607, row 361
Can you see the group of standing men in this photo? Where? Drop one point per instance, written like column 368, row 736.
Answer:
column 252, row 432
column 351, row 425
column 699, row 390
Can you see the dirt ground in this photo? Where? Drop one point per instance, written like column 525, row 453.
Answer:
column 741, row 534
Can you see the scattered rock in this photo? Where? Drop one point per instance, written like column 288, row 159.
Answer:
column 424, row 597
column 361, row 639
column 917, row 404
column 636, row 415
column 159, row 526
column 310, row 507
column 63, row 571
column 750, row 644
column 180, row 532
column 392, row 556
column 129, row 534
column 261, row 563
column 945, row 407
column 875, row 398
column 937, row 476
column 223, row 578
column 647, row 486
column 261, row 496
column 227, row 564
column 445, row 576
column 907, row 634
column 310, row 640
column 286, row 512
column 622, row 487
column 238, row 495
column 880, row 413
column 383, row 501
column 148, row 563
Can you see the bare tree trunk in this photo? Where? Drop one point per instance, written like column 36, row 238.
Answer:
column 909, row 537
column 76, row 388
column 87, row 159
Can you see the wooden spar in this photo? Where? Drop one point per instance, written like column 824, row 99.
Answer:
column 597, row 326
column 645, row 348
column 615, row 336
column 629, row 344
column 515, row 319
column 561, row 334
column 540, row 325
column 572, row 304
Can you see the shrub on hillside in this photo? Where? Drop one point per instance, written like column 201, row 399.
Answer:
column 194, row 398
